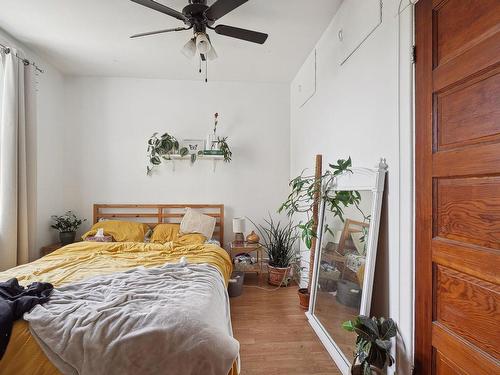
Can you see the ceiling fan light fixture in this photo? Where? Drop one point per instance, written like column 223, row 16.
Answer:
column 211, row 54
column 189, row 49
column 202, row 43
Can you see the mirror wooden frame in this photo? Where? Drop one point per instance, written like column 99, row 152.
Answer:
column 360, row 179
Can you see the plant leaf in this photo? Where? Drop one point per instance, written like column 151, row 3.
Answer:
column 388, row 329
column 348, row 325
column 383, row 344
column 367, row 370
column 370, row 324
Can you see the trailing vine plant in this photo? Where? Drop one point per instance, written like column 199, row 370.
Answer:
column 301, row 198
column 224, row 147
column 162, row 148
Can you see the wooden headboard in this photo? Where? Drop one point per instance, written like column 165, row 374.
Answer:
column 154, row 214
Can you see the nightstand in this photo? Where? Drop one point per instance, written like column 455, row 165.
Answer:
column 249, row 248
column 49, row 248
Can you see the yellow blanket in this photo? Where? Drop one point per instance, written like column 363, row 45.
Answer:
column 86, row 259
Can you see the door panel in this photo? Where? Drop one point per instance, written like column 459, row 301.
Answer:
column 457, row 187
column 468, row 114
column 444, row 367
column 468, row 210
column 461, row 23
column 462, row 301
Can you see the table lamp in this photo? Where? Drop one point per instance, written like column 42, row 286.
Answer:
column 239, row 229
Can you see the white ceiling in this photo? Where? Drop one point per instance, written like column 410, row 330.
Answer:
column 90, row 37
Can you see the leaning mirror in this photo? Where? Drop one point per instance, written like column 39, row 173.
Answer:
column 345, row 257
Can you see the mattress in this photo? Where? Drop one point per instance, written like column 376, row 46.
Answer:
column 86, row 259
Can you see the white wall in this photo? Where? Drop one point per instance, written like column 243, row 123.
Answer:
column 45, row 140
column 50, row 155
column 109, row 121
column 355, row 112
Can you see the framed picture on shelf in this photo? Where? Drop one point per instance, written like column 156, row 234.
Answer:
column 193, row 145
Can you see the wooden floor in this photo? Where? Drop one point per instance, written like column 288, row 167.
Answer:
column 274, row 334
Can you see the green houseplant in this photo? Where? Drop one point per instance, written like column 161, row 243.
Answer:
column 224, row 148
column 162, row 148
column 373, row 344
column 279, row 241
column 67, row 225
column 301, row 199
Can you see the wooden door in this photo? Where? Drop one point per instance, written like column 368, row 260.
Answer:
column 457, row 187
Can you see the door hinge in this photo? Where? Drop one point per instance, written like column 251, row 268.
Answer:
column 414, row 54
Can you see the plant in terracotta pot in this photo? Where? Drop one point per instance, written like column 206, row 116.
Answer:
column 279, row 241
column 303, row 293
column 373, row 344
column 67, row 226
column 304, row 200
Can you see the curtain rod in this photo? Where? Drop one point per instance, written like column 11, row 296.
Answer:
column 25, row 61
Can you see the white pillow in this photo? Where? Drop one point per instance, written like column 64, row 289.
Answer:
column 196, row 222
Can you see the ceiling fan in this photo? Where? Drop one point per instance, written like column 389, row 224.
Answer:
column 197, row 15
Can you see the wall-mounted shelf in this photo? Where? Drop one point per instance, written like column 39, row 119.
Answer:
column 214, row 158
column 198, row 157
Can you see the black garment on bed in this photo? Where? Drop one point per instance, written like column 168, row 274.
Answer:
column 15, row 300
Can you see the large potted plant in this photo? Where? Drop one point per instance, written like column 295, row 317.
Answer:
column 373, row 344
column 67, row 225
column 279, row 240
column 303, row 199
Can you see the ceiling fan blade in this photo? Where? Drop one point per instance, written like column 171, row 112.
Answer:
column 244, row 34
column 158, row 32
column 222, row 7
column 162, row 8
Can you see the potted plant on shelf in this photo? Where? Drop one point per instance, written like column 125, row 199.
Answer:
column 162, row 148
column 373, row 344
column 67, row 226
column 303, row 199
column 224, row 149
column 165, row 147
column 279, row 240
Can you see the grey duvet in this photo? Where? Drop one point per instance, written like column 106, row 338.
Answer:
column 171, row 320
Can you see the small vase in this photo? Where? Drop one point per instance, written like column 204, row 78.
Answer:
column 67, row 237
column 253, row 238
column 211, row 143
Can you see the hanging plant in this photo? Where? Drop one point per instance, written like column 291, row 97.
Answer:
column 194, row 156
column 162, row 148
column 224, row 147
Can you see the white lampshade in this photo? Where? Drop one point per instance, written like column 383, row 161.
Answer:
column 239, row 225
column 202, row 43
column 212, row 55
column 189, row 49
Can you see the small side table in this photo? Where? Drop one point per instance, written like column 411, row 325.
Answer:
column 49, row 249
column 248, row 248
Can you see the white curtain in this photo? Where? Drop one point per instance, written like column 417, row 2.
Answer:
column 13, row 162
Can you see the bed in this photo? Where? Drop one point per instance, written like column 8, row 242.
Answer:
column 84, row 261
